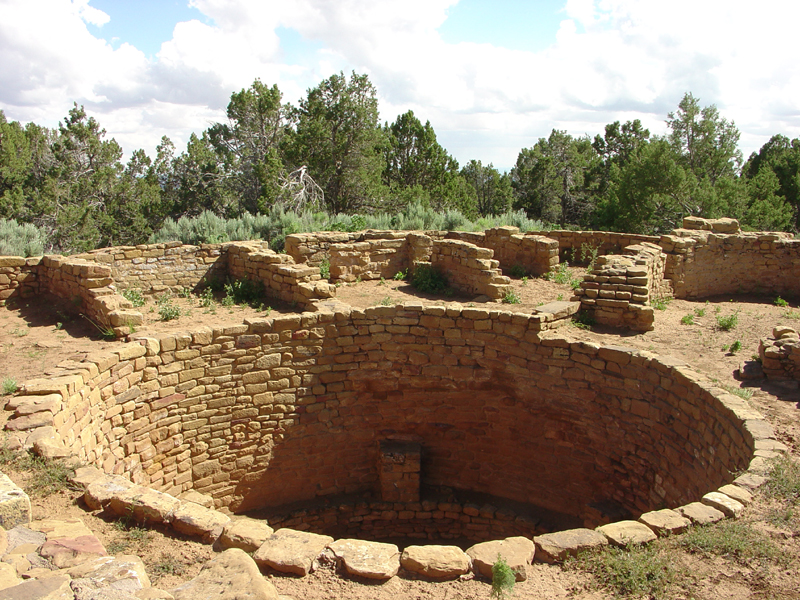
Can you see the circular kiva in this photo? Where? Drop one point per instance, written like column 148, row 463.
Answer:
column 353, row 417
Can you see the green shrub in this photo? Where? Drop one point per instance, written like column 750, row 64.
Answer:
column 244, row 291
column 21, row 239
column 168, row 311
column 729, row 322
column 784, row 480
column 511, row 297
column 428, row 279
column 736, row 346
column 400, row 275
column 517, row 271
column 637, row 571
column 325, row 269
column 781, row 302
column 10, row 386
column 660, row 303
column 503, row 579
column 735, row 540
column 687, row 320
column 207, row 297
column 134, row 296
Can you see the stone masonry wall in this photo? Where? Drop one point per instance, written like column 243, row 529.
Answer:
column 19, row 277
column 617, row 290
column 371, row 259
column 469, row 269
column 571, row 244
column 156, row 268
column 293, row 408
column 535, row 253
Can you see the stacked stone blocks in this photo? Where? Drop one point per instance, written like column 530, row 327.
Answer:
column 469, row 269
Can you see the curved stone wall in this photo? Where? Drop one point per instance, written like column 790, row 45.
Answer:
column 293, row 408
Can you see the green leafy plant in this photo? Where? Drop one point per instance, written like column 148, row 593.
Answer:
column 511, row 297
column 660, row 303
column 729, row 322
column 525, row 280
column 589, row 255
column 185, row 292
column 325, row 269
column 428, row 279
column 10, row 385
column 517, row 271
column 387, row 301
column 168, row 311
column 583, row 320
column 687, row 320
column 382, row 281
column 503, row 579
column 244, row 291
column 781, row 302
column 736, row 346
column 134, row 296
column 207, row 297
column 701, row 312
column 401, row 275
column 46, row 476
column 745, row 393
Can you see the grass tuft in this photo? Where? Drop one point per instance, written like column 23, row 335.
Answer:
column 503, row 579
column 734, row 540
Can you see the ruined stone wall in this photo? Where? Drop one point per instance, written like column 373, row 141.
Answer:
column 156, row 268
column 535, row 253
column 293, row 408
column 19, row 277
column 282, row 278
column 575, row 246
column 703, row 263
column 314, row 248
column 469, row 269
column 371, row 259
column 618, row 289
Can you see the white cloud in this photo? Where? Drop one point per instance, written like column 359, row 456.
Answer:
column 612, row 59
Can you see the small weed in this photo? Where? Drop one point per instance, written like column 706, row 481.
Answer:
column 59, row 325
column 106, row 331
column 735, row 540
column 325, row 269
column 524, row 280
column 640, row 571
column 517, row 271
column 701, row 312
column 10, row 386
column 428, row 279
column 784, row 480
column 164, row 298
column 792, row 314
column 589, row 255
column 169, row 312
column 660, row 303
column 781, row 302
column 401, row 275
column 382, row 281
column 207, row 298
column 560, row 297
column 20, row 332
column 745, row 393
column 167, row 565
column 729, row 322
column 736, row 346
column 228, row 302
column 387, row 301
column 134, row 296
column 687, row 320
column 185, row 293
column 47, row 476
column 783, row 517
column 244, row 291
column 511, row 297
column 717, row 310
column 503, row 579
column 563, row 276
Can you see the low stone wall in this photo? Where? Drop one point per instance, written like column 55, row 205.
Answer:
column 617, row 290
column 282, row 278
column 293, row 408
column 19, row 277
column 536, row 254
column 315, row 248
column 156, row 268
column 370, row 259
column 576, row 246
column 469, row 269
column 780, row 354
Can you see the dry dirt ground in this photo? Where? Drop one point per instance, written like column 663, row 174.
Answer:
column 37, row 334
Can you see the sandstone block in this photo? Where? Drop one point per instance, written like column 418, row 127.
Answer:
column 15, row 505
column 245, row 533
column 232, row 575
column 556, row 547
column 436, row 562
column 123, row 572
column 373, row 560
column 623, row 533
column 193, row 519
column 100, row 492
column 723, row 503
column 291, row 551
column 8, row 576
column 516, row 551
column 701, row 514
column 69, row 552
column 737, row 493
column 144, row 504
column 50, row 588
column 665, row 522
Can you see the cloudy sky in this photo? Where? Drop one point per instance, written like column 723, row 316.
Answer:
column 492, row 76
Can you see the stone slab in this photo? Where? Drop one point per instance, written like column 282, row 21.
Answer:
column 435, row 562
column 723, row 503
column 373, row 560
column 290, row 551
column 738, row 493
column 516, row 551
column 232, row 575
column 69, row 552
column 701, row 514
column 15, row 505
column 623, row 533
column 49, row 588
column 245, row 533
column 665, row 522
column 556, row 547
column 99, row 492
column 196, row 520
column 123, row 572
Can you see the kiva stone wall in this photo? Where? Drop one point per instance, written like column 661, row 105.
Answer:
column 537, row 254
column 19, row 277
column 618, row 289
column 573, row 245
column 469, row 269
column 293, row 408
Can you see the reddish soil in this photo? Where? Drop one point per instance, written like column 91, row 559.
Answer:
column 37, row 334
